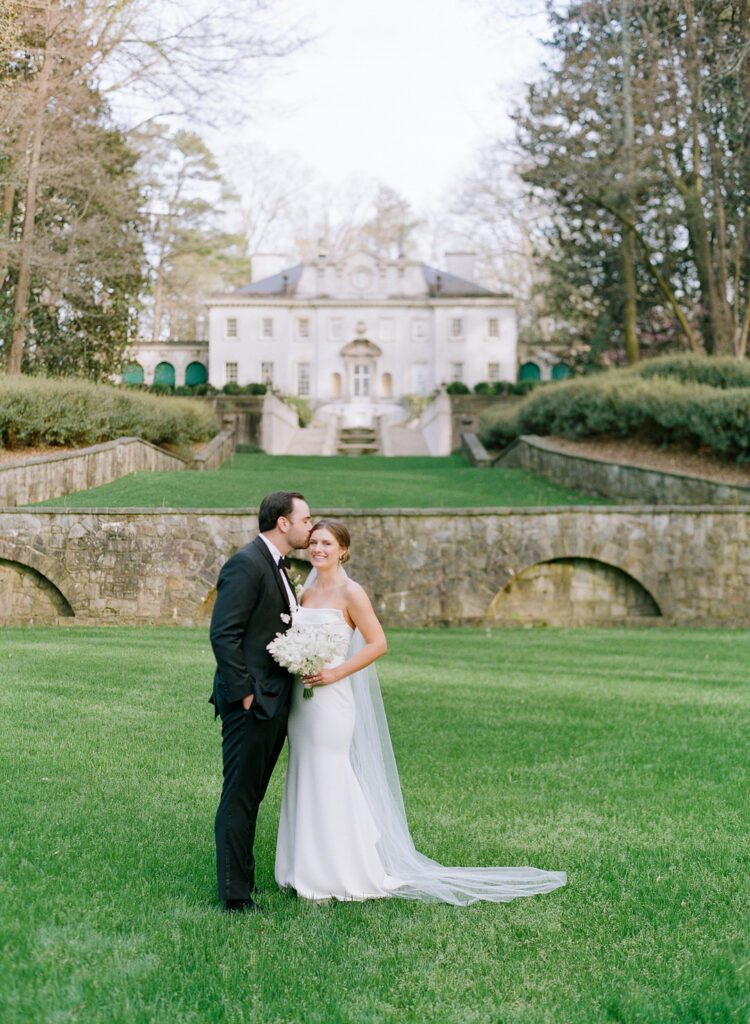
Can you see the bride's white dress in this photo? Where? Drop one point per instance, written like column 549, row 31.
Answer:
column 343, row 832
column 327, row 837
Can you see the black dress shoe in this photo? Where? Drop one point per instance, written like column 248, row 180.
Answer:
column 248, row 906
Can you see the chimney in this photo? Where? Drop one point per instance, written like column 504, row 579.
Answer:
column 461, row 264
column 266, row 264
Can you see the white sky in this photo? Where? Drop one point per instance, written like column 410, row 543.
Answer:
column 404, row 91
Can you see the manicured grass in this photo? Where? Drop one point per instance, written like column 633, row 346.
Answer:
column 336, row 482
column 620, row 757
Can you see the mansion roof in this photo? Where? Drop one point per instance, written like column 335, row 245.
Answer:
column 435, row 284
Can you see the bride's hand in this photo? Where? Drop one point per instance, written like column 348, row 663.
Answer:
column 324, row 677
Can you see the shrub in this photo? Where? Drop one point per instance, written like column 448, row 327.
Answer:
column 42, row 411
column 244, row 389
column 624, row 404
column 484, row 387
column 195, row 389
column 301, row 406
column 457, row 387
column 715, row 371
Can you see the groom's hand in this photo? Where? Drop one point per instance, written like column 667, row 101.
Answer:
column 248, row 701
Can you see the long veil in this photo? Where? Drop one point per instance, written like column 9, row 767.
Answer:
column 413, row 875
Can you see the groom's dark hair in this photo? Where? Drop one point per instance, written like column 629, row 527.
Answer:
column 279, row 503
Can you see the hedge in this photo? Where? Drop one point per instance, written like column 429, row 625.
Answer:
column 624, row 404
column 716, row 371
column 41, row 411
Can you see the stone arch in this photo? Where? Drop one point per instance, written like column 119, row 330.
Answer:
column 164, row 375
column 529, row 371
column 45, row 567
column 28, row 597
column 561, row 371
column 573, row 591
column 195, row 373
column 132, row 374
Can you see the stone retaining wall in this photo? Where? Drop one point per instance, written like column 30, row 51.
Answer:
column 27, row 481
column 422, row 567
column 215, row 453
column 614, row 480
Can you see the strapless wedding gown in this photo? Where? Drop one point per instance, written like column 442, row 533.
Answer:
column 327, row 842
column 343, row 832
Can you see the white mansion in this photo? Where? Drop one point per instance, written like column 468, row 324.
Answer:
column 351, row 335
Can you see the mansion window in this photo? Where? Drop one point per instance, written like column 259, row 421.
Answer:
column 418, row 329
column 387, row 329
column 230, row 327
column 493, row 372
column 457, row 327
column 492, row 328
column 230, row 373
column 303, row 379
column 420, row 378
column 457, row 371
column 303, row 329
column 361, row 380
column 266, row 373
column 336, row 328
column 266, row 328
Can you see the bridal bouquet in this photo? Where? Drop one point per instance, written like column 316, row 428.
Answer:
column 303, row 649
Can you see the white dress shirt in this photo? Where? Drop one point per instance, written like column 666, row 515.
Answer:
column 276, row 555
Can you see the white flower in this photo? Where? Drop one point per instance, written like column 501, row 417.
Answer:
column 285, row 618
column 305, row 649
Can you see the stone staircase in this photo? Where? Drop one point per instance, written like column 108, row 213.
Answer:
column 358, row 441
column 402, row 440
column 315, row 439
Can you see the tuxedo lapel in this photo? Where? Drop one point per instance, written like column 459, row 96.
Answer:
column 263, row 548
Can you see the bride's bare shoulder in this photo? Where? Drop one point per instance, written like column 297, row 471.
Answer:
column 355, row 592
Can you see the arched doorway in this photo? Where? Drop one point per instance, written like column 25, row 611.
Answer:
column 132, row 374
column 561, row 371
column 529, row 371
column 196, row 373
column 164, row 375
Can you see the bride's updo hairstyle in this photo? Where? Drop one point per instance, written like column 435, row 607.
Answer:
column 339, row 531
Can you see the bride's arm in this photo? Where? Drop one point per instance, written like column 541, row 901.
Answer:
column 362, row 614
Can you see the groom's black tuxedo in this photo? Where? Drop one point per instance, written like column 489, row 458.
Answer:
column 250, row 600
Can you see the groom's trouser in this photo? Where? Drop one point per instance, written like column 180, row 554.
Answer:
column 250, row 750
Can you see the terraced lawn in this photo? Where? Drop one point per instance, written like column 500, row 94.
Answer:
column 335, row 482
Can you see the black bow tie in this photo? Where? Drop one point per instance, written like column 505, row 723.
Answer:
column 284, row 563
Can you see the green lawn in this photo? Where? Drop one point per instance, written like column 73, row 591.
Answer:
column 619, row 756
column 336, row 482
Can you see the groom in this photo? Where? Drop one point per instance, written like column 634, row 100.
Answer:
column 251, row 692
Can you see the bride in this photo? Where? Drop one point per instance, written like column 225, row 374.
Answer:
column 343, row 833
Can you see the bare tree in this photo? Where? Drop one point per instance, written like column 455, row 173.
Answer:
column 62, row 54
